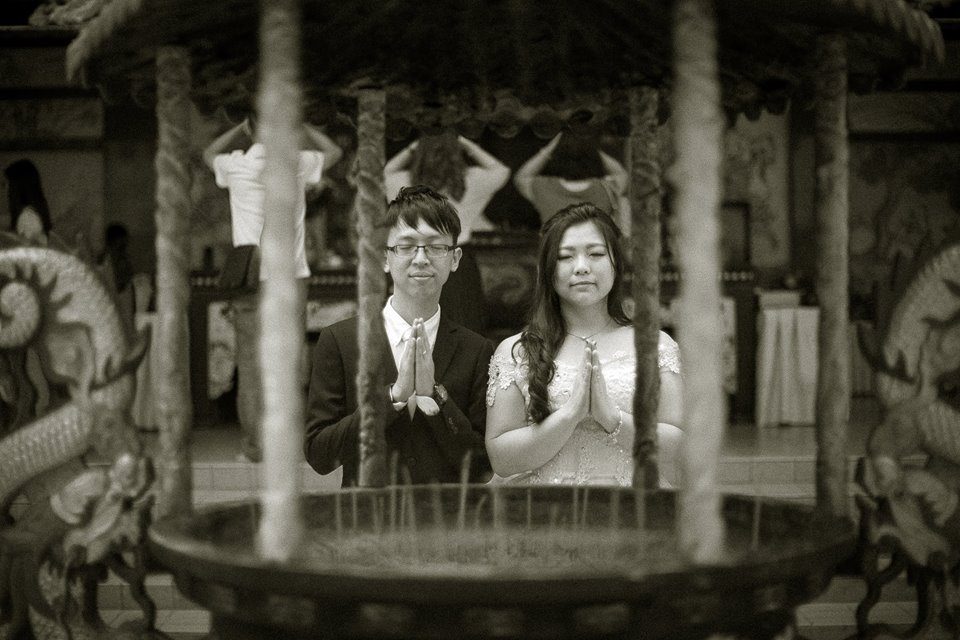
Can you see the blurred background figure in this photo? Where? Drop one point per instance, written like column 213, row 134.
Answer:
column 117, row 269
column 29, row 212
column 570, row 169
column 115, row 255
column 331, row 223
column 26, row 389
column 469, row 176
column 237, row 159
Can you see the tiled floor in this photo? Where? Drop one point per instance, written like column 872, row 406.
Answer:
column 743, row 439
column 775, row 461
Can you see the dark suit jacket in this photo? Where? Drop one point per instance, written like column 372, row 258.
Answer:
column 430, row 447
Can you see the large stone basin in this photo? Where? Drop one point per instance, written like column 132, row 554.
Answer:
column 512, row 562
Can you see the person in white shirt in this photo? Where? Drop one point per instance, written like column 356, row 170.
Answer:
column 435, row 370
column 469, row 176
column 237, row 159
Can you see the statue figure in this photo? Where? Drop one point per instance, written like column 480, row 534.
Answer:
column 912, row 510
column 58, row 318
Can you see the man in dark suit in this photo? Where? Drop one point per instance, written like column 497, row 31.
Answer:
column 438, row 368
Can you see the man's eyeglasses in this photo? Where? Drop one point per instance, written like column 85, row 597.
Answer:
column 433, row 251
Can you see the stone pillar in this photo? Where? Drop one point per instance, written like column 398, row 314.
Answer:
column 281, row 337
column 645, row 198
column 831, row 204
column 171, row 378
column 698, row 129
column 371, row 285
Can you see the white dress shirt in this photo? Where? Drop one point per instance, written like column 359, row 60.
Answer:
column 240, row 173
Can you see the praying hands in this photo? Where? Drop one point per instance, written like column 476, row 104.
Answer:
column 589, row 395
column 416, row 371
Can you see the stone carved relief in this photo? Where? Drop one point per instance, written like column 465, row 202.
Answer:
column 904, row 189
column 755, row 174
column 905, row 203
column 80, row 520
column 51, row 119
column 66, row 12
column 908, row 511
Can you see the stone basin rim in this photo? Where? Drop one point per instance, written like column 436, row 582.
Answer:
column 174, row 545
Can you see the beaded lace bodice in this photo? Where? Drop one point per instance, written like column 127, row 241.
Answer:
column 591, row 455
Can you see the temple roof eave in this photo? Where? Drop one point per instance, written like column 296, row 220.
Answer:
column 468, row 55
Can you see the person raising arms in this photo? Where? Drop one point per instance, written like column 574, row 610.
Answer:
column 469, row 176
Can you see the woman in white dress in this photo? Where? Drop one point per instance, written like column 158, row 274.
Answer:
column 560, row 393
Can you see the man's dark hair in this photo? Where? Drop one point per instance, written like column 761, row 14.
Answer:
column 419, row 202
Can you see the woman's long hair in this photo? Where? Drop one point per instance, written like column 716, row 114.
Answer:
column 438, row 162
column 24, row 190
column 576, row 157
column 545, row 331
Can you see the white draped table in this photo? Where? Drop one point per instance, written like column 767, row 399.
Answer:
column 786, row 365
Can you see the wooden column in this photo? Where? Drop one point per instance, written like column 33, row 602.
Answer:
column 645, row 196
column 698, row 125
column 832, row 213
column 171, row 378
column 281, row 335
column 371, row 285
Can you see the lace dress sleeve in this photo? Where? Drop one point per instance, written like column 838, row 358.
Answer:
column 504, row 371
column 668, row 354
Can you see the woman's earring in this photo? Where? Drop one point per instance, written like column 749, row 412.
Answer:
column 386, row 268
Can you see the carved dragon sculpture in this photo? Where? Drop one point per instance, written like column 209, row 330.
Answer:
column 910, row 509
column 80, row 519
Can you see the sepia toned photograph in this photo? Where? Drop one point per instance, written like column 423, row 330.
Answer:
column 463, row 319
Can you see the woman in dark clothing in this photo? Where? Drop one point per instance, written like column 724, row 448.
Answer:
column 469, row 176
column 29, row 212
